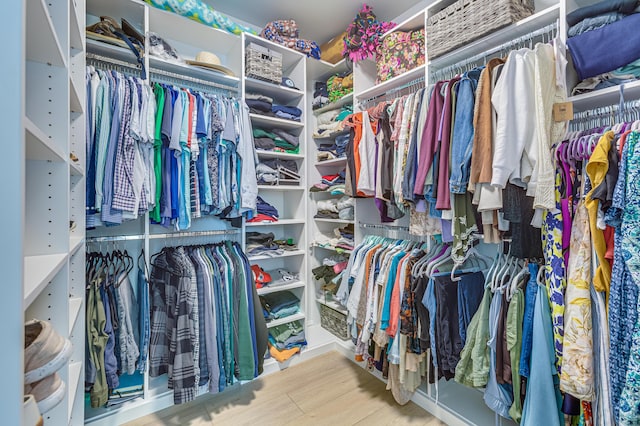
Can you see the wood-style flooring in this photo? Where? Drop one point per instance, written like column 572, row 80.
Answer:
column 327, row 390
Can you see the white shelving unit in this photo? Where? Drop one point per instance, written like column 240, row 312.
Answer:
column 44, row 191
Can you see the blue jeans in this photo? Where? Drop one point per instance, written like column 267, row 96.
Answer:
column 144, row 323
column 470, row 292
column 527, row 324
column 462, row 141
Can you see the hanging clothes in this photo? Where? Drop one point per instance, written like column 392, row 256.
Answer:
column 177, row 153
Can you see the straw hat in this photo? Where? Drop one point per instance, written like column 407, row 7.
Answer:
column 211, row 61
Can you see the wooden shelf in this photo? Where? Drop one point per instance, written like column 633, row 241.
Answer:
column 393, row 83
column 604, row 97
column 38, row 272
column 345, row 100
column 266, row 122
column 496, row 38
column 275, row 91
column 280, row 222
column 75, row 304
column 38, row 145
column 291, row 253
column 276, row 288
column 285, row 320
column 276, row 154
column 43, row 44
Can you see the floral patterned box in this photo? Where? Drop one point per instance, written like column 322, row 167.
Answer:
column 398, row 53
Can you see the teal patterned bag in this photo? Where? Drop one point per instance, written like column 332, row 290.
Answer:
column 200, row 12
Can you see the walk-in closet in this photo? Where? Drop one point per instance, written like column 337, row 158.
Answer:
column 408, row 212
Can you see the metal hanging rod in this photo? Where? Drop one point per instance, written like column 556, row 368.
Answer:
column 458, row 67
column 106, row 63
column 413, row 86
column 383, row 227
column 606, row 116
column 163, row 236
column 159, row 74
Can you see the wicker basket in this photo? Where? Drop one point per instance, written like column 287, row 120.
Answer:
column 334, row 321
column 468, row 20
column 263, row 64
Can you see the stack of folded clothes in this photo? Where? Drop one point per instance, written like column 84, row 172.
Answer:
column 280, row 304
column 320, row 95
column 342, row 239
column 596, row 33
column 329, row 274
column 277, row 171
column 258, row 103
column 276, row 140
column 286, row 340
column 265, row 244
column 335, row 209
column 331, row 123
column 287, row 112
column 337, row 189
column 262, row 244
column 265, row 212
column 335, row 179
column 337, row 149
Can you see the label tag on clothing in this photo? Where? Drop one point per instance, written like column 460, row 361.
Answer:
column 563, row 111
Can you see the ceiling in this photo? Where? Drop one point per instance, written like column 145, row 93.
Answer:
column 318, row 20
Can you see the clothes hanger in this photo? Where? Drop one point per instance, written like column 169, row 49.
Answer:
column 428, row 268
column 472, row 254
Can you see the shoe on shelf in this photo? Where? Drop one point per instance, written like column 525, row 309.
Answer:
column 73, row 157
column 72, row 225
column 30, row 413
column 45, row 351
column 47, row 392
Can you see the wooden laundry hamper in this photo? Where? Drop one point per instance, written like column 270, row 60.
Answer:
column 263, row 64
column 468, row 20
column 334, row 321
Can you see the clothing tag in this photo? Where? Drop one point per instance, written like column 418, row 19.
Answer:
column 563, row 111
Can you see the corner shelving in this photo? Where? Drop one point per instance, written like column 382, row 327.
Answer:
column 276, row 154
column 603, row 97
column 279, row 222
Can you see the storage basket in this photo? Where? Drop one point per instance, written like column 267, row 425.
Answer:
column 334, row 321
column 468, row 20
column 263, row 64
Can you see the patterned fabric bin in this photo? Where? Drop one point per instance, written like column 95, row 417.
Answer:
column 398, row 53
column 334, row 321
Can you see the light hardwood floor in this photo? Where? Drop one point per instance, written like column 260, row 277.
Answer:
column 328, row 390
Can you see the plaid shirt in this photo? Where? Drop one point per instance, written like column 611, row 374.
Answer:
column 123, row 195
